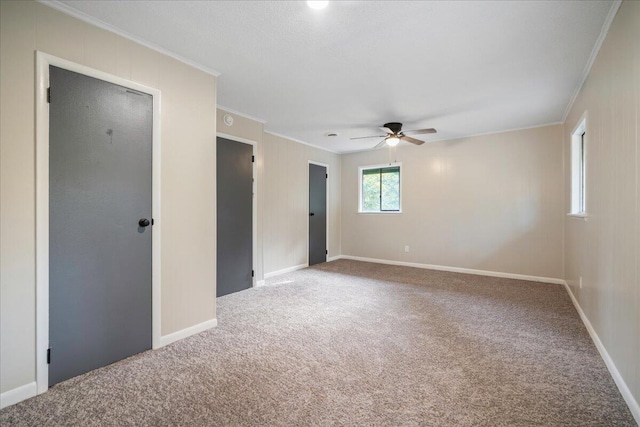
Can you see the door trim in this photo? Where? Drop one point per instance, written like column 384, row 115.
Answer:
column 311, row 162
column 254, row 201
column 43, row 60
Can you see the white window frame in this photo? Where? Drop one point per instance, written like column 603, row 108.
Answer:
column 579, row 138
column 386, row 165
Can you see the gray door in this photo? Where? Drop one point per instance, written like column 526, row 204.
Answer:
column 235, row 214
column 317, row 214
column 99, row 252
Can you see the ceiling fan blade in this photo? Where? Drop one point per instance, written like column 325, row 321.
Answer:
column 381, row 143
column 412, row 140
column 374, row 136
column 419, row 131
column 387, row 130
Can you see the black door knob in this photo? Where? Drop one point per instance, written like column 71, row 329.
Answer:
column 144, row 222
column 311, row 214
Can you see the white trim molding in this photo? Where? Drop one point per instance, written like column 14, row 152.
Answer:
column 187, row 332
column 580, row 216
column 18, row 394
column 456, row 269
column 260, row 283
column 578, row 169
column 43, row 61
column 285, row 270
column 608, row 361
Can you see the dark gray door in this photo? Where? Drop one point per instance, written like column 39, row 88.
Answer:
column 100, row 137
column 317, row 214
column 235, row 214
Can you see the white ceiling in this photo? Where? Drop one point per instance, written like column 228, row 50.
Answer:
column 465, row 68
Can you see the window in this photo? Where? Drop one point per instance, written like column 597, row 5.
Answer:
column 379, row 189
column 578, row 169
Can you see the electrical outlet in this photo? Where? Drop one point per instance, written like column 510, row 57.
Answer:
column 406, row 248
column 580, row 282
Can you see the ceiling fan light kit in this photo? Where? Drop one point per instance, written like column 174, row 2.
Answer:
column 317, row 4
column 392, row 141
column 394, row 134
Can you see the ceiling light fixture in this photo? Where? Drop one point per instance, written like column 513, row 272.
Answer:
column 318, row 4
column 392, row 141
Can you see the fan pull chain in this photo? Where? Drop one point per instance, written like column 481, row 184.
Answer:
column 392, row 155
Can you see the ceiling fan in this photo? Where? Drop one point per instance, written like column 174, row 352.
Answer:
column 394, row 135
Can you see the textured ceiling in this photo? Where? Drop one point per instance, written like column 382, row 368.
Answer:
column 464, row 68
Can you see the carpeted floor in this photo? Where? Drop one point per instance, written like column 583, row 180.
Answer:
column 352, row 343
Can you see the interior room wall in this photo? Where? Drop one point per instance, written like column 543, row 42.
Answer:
column 188, row 179
column 491, row 202
column 604, row 249
column 286, row 203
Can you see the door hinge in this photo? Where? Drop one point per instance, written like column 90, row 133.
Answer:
column 48, row 356
column 326, row 175
column 326, row 252
column 253, row 159
column 252, row 273
column 48, row 95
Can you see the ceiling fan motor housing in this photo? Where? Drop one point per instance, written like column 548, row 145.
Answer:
column 394, row 126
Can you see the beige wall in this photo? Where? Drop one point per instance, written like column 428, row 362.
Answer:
column 286, row 203
column 188, row 178
column 605, row 249
column 492, row 202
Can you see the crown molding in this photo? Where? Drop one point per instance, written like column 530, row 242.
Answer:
column 68, row 10
column 615, row 5
column 301, row 142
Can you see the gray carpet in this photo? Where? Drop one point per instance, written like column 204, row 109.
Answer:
column 351, row 343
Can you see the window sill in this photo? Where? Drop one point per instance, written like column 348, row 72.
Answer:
column 380, row 213
column 582, row 216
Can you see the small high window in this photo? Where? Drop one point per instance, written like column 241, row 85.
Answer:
column 379, row 189
column 578, row 169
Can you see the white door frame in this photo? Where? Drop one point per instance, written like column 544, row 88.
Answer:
column 43, row 60
column 311, row 162
column 254, row 204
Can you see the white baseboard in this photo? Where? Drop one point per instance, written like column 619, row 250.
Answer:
column 333, row 258
column 31, row 389
column 285, row 270
column 613, row 370
column 457, row 269
column 187, row 332
column 18, row 394
column 259, row 283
